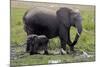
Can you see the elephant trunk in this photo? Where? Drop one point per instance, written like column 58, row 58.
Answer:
column 79, row 30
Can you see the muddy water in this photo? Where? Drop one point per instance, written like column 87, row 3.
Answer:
column 18, row 52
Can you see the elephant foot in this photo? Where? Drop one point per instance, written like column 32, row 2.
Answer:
column 71, row 51
column 72, row 48
column 27, row 51
column 46, row 53
column 63, row 52
column 32, row 53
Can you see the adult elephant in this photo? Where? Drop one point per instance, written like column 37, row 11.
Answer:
column 52, row 23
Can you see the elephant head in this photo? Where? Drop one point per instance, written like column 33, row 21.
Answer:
column 31, row 41
column 69, row 17
column 77, row 22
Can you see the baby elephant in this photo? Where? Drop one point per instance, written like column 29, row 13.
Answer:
column 37, row 43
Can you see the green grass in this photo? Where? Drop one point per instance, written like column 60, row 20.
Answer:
column 85, row 43
column 17, row 33
column 45, row 59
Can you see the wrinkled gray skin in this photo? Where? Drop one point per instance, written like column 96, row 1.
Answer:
column 37, row 43
column 43, row 21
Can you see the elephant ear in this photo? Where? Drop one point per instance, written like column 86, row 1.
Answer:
column 63, row 15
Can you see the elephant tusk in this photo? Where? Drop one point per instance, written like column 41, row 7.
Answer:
column 78, row 33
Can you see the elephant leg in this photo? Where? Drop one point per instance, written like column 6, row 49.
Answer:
column 63, row 47
column 27, row 48
column 69, row 40
column 28, row 44
column 46, row 52
column 63, row 38
column 46, row 49
column 33, row 50
column 65, row 41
